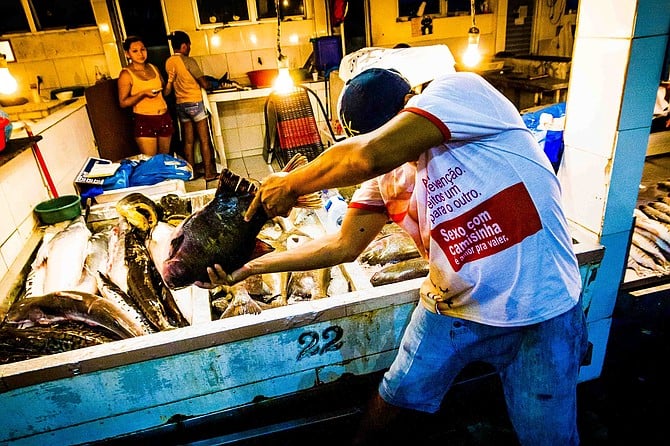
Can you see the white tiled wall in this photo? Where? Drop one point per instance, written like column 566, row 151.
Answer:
column 65, row 146
column 61, row 58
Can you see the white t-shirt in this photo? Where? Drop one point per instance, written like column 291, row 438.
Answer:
column 484, row 207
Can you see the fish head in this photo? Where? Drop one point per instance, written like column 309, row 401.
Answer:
column 176, row 273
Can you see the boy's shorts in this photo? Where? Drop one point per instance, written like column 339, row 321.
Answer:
column 538, row 365
column 191, row 111
column 153, row 126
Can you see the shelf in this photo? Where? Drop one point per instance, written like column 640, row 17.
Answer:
column 16, row 146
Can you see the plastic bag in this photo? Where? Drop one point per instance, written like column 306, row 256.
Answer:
column 160, row 168
column 546, row 125
column 121, row 177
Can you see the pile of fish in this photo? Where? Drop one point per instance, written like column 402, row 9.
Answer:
column 92, row 283
column 393, row 257
column 650, row 243
column 120, row 281
column 85, row 288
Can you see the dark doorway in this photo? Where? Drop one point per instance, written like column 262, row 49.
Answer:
column 144, row 18
column 356, row 26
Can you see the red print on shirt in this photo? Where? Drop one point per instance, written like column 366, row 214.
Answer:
column 498, row 223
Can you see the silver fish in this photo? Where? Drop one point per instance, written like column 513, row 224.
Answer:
column 115, row 294
column 645, row 260
column 654, row 213
column 397, row 272
column 655, row 227
column 73, row 305
column 648, row 246
column 393, row 247
column 64, row 257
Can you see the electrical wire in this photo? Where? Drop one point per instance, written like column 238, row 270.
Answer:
column 280, row 56
column 556, row 10
column 472, row 12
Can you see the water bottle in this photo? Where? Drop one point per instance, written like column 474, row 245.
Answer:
column 336, row 206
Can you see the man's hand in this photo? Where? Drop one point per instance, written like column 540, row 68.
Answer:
column 217, row 276
column 274, row 195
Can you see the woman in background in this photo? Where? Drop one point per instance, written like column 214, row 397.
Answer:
column 141, row 87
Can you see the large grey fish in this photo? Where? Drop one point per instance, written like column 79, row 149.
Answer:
column 397, row 272
column 217, row 233
column 394, row 247
column 75, row 306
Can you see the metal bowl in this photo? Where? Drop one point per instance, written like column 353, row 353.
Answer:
column 59, row 209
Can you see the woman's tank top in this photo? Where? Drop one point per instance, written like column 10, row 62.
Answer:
column 148, row 105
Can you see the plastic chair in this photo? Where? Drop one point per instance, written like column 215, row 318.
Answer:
column 291, row 126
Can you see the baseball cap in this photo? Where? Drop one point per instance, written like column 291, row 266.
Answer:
column 370, row 99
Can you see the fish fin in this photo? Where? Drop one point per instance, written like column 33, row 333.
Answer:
column 309, row 201
column 230, row 182
column 261, row 248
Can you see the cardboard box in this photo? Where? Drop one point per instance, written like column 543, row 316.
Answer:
column 82, row 178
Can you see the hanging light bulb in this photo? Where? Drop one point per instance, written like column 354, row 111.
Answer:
column 472, row 56
column 283, row 83
column 8, row 84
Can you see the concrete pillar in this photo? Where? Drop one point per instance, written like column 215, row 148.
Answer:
column 616, row 69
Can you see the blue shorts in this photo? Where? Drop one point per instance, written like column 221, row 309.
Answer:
column 538, row 365
column 191, row 111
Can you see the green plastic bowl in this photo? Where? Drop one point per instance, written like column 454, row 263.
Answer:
column 59, row 209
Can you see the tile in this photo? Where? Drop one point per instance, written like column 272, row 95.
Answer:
column 3, row 266
column 231, row 142
column 255, row 163
column 263, row 59
column 70, row 44
column 22, row 175
column 237, row 165
column 7, row 223
column 11, row 249
column 240, row 63
column 642, row 81
column 594, row 100
column 199, row 43
column 44, row 68
column 625, row 177
column 597, row 18
column 584, row 178
column 295, row 56
column 251, row 137
column 234, row 38
column 90, row 62
column 72, row 71
column 250, row 113
column 27, row 47
column 215, row 65
column 653, row 17
column 228, row 115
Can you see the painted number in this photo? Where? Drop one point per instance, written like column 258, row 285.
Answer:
column 329, row 341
